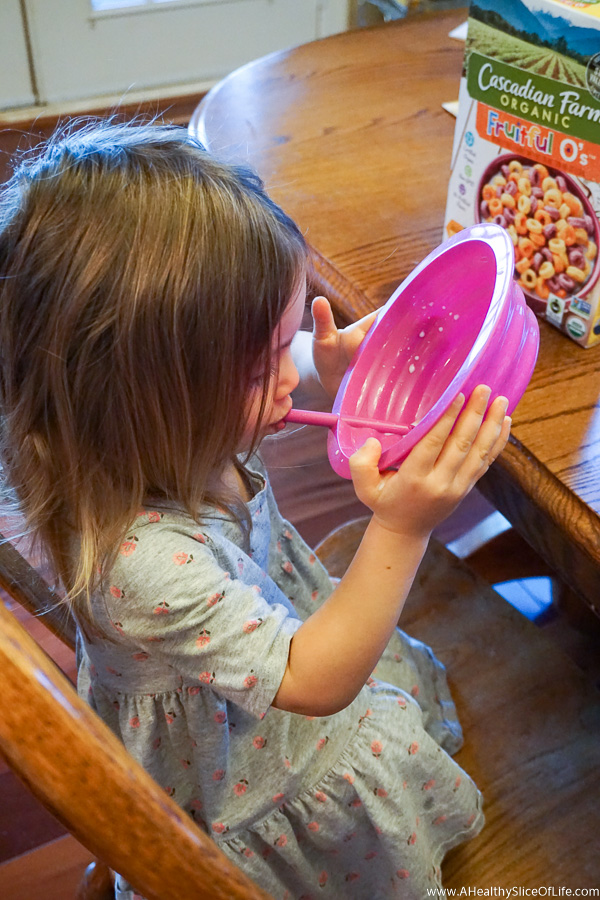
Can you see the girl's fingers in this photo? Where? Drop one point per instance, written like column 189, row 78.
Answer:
column 460, row 436
column 366, row 477
column 425, row 454
column 468, row 427
column 487, row 444
column 352, row 336
column 324, row 326
column 502, row 439
column 357, row 330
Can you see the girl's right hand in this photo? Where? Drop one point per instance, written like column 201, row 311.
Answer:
column 439, row 471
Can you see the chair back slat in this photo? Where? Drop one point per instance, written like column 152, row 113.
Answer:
column 25, row 585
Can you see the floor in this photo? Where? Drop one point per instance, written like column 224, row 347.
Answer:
column 34, row 847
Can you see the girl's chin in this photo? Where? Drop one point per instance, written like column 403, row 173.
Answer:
column 273, row 428
column 279, row 424
column 276, row 427
column 265, row 431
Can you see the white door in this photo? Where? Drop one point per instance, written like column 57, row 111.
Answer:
column 15, row 81
column 85, row 48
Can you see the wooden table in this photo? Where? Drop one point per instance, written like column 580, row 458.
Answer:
column 351, row 139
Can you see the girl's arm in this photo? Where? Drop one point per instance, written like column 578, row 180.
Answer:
column 333, row 653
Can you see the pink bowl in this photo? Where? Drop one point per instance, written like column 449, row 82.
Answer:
column 457, row 321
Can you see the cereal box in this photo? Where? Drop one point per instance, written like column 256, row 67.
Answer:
column 526, row 149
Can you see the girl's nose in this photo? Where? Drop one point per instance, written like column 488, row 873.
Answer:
column 289, row 378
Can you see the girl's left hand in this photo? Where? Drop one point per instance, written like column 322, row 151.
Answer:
column 333, row 348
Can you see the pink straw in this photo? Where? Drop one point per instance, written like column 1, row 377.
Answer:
column 331, row 420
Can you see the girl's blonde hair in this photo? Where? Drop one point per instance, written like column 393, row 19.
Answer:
column 141, row 284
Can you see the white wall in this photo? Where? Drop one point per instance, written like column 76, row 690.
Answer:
column 81, row 54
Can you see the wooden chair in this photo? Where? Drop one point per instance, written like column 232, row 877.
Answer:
column 82, row 774
column 532, row 728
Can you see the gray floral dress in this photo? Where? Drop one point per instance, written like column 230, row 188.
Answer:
column 189, row 646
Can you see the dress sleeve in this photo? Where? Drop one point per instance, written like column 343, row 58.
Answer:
column 179, row 607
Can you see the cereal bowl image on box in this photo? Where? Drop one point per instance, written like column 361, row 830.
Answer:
column 458, row 320
column 552, row 226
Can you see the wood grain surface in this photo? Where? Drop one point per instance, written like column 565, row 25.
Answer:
column 351, row 138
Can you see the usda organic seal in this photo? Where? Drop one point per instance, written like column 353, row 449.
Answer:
column 592, row 75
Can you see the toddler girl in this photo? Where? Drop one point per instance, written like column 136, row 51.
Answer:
column 149, row 301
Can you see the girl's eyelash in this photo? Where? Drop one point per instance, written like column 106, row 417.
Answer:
column 273, row 370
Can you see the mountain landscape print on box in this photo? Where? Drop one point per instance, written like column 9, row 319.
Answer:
column 525, row 35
